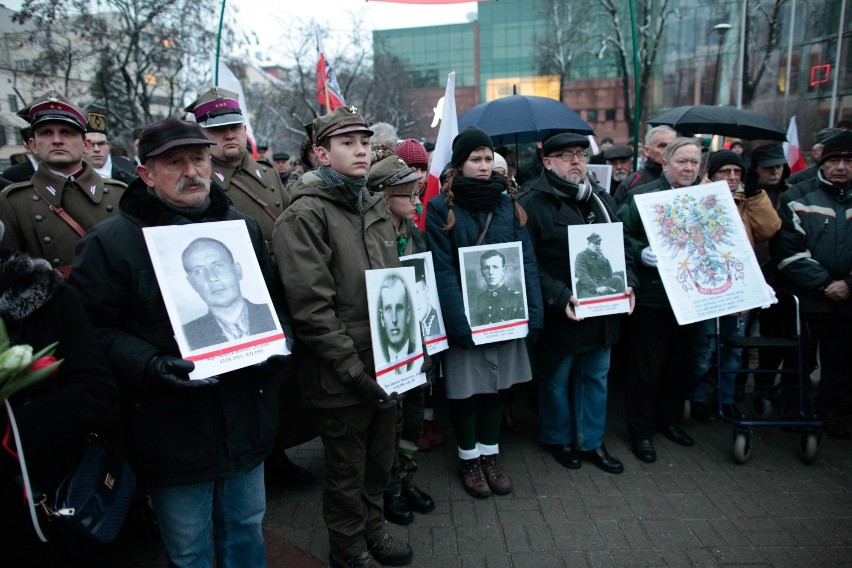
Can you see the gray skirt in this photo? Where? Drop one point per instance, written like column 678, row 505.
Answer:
column 485, row 368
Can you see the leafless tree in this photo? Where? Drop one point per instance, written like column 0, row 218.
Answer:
column 651, row 18
column 558, row 43
column 763, row 34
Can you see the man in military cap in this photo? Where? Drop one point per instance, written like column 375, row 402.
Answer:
column 594, row 272
column 253, row 186
column 47, row 215
column 497, row 302
column 281, row 161
column 333, row 231
column 99, row 156
column 620, row 157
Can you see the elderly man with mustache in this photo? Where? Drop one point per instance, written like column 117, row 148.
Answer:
column 199, row 445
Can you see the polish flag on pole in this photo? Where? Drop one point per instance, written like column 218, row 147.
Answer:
column 328, row 90
column 443, row 152
column 792, row 150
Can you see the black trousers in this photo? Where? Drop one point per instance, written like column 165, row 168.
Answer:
column 833, row 332
column 660, row 358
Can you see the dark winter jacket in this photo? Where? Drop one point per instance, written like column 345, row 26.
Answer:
column 814, row 246
column 54, row 416
column 651, row 171
column 180, row 436
column 549, row 217
column 323, row 246
column 504, row 228
column 651, row 292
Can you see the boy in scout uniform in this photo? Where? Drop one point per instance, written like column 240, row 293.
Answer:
column 333, row 231
column 47, row 215
column 253, row 186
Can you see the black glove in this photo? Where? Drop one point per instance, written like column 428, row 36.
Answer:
column 369, row 388
column 427, row 362
column 173, row 372
column 272, row 365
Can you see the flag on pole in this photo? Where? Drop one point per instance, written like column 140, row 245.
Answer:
column 227, row 80
column 792, row 150
column 443, row 152
column 328, row 90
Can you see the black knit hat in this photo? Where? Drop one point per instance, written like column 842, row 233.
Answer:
column 838, row 146
column 467, row 141
column 723, row 158
column 170, row 133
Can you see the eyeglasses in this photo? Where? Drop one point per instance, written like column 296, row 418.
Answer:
column 728, row 171
column 569, row 156
column 413, row 197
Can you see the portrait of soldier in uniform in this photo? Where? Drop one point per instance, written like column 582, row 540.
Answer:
column 215, row 276
column 430, row 321
column 396, row 321
column 496, row 302
column 594, row 273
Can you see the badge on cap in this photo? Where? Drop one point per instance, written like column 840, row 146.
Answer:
column 353, row 109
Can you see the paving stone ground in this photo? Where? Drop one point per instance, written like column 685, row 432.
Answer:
column 693, row 507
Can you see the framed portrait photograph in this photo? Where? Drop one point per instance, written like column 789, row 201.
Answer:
column 601, row 174
column 706, row 262
column 215, row 295
column 494, row 291
column 426, row 301
column 395, row 328
column 598, row 269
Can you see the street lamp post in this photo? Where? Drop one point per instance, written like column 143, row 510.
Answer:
column 721, row 30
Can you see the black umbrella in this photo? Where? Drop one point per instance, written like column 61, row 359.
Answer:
column 722, row 120
column 523, row 118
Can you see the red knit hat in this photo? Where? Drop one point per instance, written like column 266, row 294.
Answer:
column 413, row 154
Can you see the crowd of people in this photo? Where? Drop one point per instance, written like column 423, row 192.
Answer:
column 75, row 268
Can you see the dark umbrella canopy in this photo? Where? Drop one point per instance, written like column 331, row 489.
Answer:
column 523, row 118
column 722, row 120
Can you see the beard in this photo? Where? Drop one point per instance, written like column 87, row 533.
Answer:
column 232, row 154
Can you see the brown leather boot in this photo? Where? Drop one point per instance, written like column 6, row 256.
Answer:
column 473, row 478
column 498, row 481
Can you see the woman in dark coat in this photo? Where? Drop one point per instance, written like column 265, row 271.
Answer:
column 475, row 375
column 54, row 416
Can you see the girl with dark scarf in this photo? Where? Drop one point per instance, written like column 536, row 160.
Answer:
column 472, row 207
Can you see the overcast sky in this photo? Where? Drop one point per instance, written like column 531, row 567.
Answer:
column 271, row 19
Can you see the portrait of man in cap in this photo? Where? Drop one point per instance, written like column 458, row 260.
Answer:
column 215, row 276
column 593, row 271
column 496, row 302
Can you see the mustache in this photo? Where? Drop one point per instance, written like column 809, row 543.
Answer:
column 194, row 180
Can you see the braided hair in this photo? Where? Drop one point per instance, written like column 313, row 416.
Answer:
column 447, row 191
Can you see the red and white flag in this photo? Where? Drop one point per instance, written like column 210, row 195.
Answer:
column 443, row 152
column 792, row 150
column 328, row 90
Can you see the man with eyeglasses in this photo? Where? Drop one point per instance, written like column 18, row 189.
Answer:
column 761, row 223
column 572, row 354
column 813, row 251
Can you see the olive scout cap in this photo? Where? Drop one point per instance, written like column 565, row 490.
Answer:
column 53, row 107
column 216, row 107
column 170, row 133
column 392, row 176
column 342, row 120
